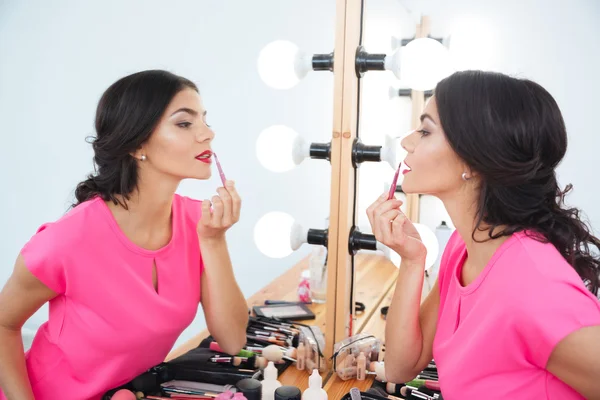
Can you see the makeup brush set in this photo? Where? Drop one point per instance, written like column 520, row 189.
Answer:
column 267, row 340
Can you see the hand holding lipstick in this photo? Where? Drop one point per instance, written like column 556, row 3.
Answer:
column 392, row 228
column 225, row 210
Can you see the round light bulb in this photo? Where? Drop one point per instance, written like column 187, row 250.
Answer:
column 429, row 240
column 423, row 63
column 275, row 148
column 431, row 243
column 272, row 234
column 388, row 152
column 298, row 236
column 278, row 64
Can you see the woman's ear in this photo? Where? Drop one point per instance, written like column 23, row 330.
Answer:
column 473, row 173
column 139, row 154
column 469, row 173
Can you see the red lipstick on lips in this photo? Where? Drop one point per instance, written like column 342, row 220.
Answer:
column 406, row 169
column 205, row 157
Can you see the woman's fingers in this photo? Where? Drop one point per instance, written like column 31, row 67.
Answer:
column 397, row 228
column 206, row 213
column 236, row 201
column 385, row 226
column 217, row 212
column 375, row 218
column 371, row 209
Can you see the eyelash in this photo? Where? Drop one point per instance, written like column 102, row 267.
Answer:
column 185, row 125
column 423, row 132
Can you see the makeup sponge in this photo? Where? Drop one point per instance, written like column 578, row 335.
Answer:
column 273, row 353
column 123, row 394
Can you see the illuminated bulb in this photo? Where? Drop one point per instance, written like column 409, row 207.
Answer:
column 421, row 75
column 274, row 146
column 298, row 236
column 272, row 233
column 429, row 240
column 300, row 150
column 281, row 64
column 422, row 63
column 431, row 243
column 388, row 152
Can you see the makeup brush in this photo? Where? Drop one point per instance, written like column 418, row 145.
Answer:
column 254, row 349
column 269, row 339
column 278, row 335
column 282, row 326
column 381, row 393
column 272, row 329
column 235, row 361
column 214, row 346
column 416, row 393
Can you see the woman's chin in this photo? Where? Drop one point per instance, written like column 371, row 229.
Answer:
column 408, row 188
column 202, row 176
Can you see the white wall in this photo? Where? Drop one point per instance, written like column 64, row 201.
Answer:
column 56, row 58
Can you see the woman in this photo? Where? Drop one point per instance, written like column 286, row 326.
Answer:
column 125, row 269
column 513, row 313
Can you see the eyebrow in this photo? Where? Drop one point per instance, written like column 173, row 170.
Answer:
column 189, row 111
column 423, row 116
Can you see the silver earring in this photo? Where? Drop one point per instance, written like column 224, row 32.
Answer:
column 143, row 158
column 464, row 176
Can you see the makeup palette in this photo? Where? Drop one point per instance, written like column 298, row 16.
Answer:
column 297, row 312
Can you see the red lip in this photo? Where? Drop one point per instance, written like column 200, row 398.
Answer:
column 406, row 168
column 207, row 154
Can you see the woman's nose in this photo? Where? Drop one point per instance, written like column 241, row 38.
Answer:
column 205, row 135
column 407, row 142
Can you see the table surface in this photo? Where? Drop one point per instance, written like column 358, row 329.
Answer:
column 375, row 277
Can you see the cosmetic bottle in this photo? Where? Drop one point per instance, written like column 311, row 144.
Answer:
column 361, row 367
column 270, row 383
column 300, row 357
column 315, row 391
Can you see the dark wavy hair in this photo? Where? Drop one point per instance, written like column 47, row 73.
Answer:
column 127, row 114
column 511, row 133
